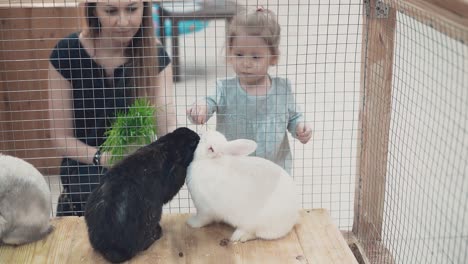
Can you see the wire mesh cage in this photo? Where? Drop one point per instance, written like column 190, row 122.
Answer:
column 414, row 77
column 382, row 84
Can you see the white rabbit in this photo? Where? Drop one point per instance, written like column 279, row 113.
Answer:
column 254, row 195
column 24, row 202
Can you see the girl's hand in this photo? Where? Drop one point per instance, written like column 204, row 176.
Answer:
column 197, row 114
column 303, row 132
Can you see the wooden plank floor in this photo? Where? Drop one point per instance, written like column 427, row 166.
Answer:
column 314, row 240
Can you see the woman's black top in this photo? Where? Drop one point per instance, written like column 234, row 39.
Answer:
column 96, row 100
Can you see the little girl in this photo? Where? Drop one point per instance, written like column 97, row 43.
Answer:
column 254, row 105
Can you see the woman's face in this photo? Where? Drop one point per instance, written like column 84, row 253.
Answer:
column 120, row 21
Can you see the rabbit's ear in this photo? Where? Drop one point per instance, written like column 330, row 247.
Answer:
column 240, row 147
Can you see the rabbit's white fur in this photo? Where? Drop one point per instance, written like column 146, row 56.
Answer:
column 253, row 194
column 24, row 202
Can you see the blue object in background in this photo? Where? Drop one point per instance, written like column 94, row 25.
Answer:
column 185, row 27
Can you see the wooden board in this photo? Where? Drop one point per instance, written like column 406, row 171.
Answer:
column 374, row 120
column 24, row 118
column 314, row 240
column 447, row 17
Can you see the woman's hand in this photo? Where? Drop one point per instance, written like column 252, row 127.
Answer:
column 197, row 114
column 303, row 132
column 105, row 160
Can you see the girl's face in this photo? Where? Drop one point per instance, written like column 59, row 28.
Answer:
column 251, row 57
column 120, row 21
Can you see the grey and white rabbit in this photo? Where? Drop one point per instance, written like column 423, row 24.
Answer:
column 25, row 205
column 254, row 195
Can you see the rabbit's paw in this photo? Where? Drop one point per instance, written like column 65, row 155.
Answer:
column 198, row 221
column 242, row 236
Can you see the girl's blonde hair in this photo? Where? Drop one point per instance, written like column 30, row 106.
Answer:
column 142, row 50
column 259, row 23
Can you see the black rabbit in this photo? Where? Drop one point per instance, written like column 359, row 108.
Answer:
column 123, row 214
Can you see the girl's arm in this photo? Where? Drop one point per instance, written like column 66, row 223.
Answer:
column 163, row 98
column 203, row 109
column 295, row 115
column 61, row 121
column 296, row 125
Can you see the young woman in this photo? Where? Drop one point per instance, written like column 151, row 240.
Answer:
column 93, row 74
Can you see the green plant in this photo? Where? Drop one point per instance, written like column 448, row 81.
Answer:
column 131, row 130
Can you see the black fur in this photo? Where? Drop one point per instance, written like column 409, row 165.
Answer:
column 123, row 214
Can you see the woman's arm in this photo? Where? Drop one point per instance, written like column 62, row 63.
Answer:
column 61, row 121
column 163, row 98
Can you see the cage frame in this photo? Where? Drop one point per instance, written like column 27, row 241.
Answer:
column 375, row 107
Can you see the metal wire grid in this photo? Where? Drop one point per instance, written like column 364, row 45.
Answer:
column 425, row 209
column 320, row 54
